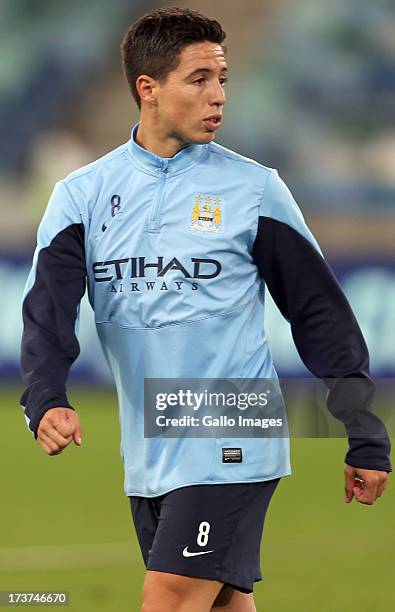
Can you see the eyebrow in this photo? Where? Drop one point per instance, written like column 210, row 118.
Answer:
column 206, row 70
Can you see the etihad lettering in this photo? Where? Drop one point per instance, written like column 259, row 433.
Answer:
column 138, row 267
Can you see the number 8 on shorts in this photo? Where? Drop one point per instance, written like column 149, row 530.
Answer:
column 204, row 530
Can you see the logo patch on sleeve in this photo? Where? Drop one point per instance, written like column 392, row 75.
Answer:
column 232, row 455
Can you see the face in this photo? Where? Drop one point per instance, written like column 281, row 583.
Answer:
column 189, row 104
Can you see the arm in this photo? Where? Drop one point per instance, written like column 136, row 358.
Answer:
column 325, row 331
column 50, row 309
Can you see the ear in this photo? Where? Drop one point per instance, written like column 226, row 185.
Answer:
column 147, row 89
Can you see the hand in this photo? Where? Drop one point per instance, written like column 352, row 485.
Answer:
column 365, row 485
column 57, row 428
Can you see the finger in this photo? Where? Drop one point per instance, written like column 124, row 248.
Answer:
column 50, row 428
column 44, row 446
column 382, row 487
column 366, row 494
column 68, row 425
column 63, row 425
column 54, row 449
column 57, row 437
column 348, row 485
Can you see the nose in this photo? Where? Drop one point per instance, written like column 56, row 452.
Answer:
column 218, row 95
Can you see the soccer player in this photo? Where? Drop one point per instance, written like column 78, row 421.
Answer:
column 176, row 238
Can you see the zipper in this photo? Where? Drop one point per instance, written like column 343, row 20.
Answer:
column 154, row 218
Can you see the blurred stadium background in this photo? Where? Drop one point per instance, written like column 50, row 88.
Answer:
column 311, row 93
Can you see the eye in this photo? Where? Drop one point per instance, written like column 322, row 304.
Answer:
column 223, row 80
column 199, row 81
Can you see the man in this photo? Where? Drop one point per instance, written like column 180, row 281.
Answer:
column 177, row 237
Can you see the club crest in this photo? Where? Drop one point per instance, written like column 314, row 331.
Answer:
column 206, row 214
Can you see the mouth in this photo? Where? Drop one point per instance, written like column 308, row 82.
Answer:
column 213, row 123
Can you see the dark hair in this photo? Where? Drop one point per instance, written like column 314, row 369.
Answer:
column 152, row 44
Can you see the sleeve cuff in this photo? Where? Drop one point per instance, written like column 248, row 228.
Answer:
column 36, row 403
column 373, row 454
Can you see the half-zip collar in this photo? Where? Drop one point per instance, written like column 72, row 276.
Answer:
column 153, row 164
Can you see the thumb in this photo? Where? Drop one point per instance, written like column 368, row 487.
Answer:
column 349, row 485
column 77, row 435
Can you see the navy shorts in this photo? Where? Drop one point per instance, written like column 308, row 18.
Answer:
column 205, row 531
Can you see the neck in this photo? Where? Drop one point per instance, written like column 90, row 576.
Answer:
column 155, row 139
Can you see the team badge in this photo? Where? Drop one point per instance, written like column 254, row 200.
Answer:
column 206, row 214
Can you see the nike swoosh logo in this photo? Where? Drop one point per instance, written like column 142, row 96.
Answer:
column 186, row 553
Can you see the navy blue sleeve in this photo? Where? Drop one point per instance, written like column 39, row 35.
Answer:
column 50, row 309
column 325, row 331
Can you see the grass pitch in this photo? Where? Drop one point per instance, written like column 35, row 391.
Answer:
column 66, row 525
